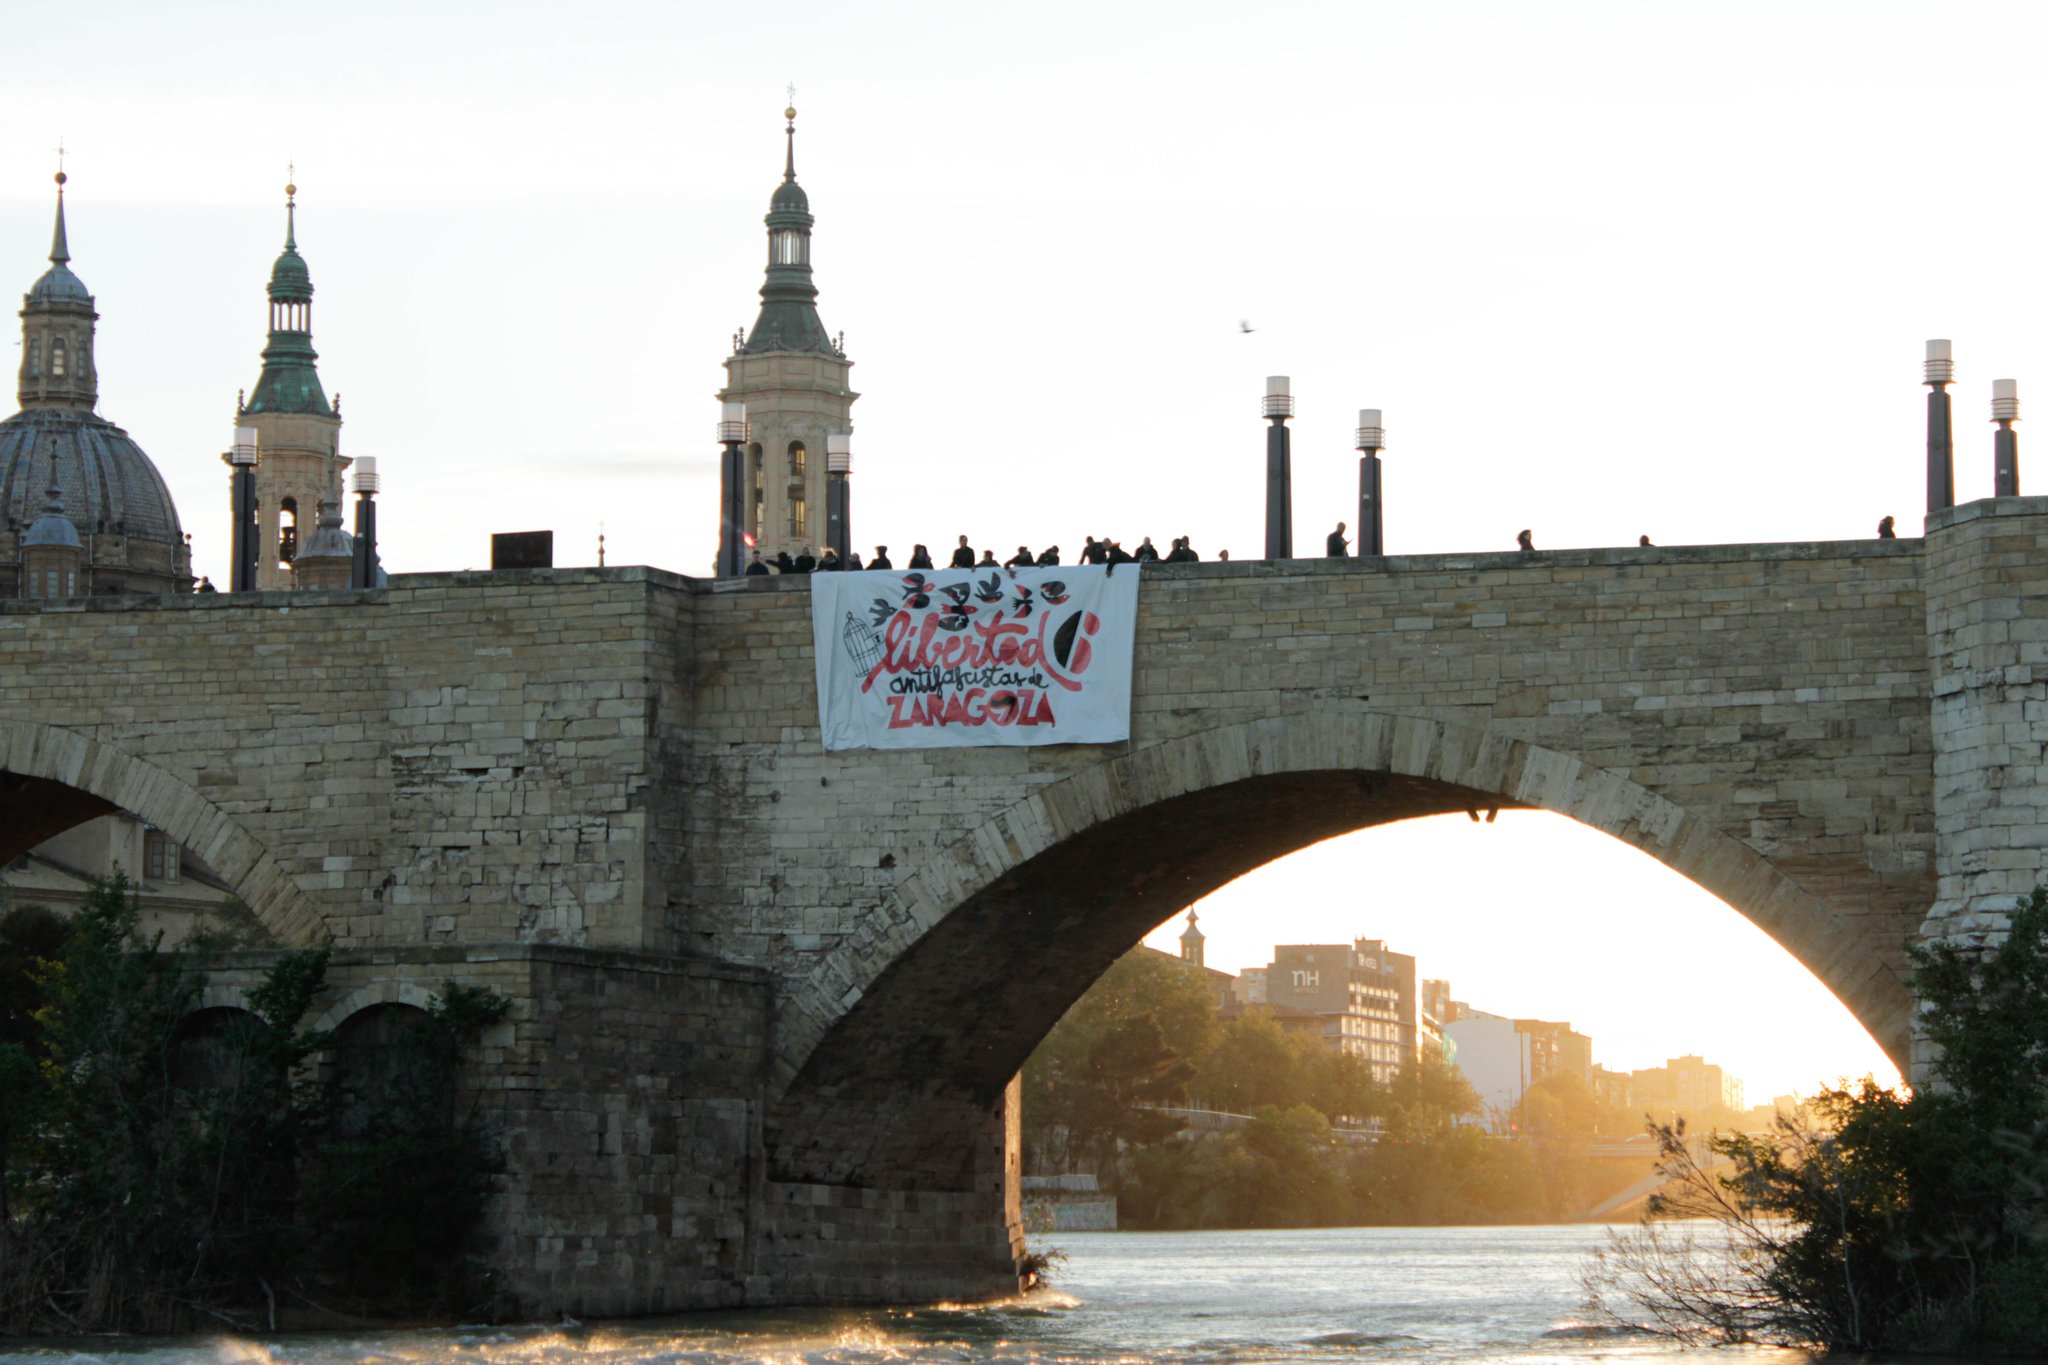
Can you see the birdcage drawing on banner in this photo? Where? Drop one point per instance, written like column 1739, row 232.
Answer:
column 861, row 646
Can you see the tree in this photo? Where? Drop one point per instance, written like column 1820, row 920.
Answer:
column 1126, row 1046
column 1898, row 1221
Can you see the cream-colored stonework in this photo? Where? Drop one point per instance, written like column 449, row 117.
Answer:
column 299, row 460
column 792, row 397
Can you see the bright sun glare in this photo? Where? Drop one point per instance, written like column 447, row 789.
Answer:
column 1539, row 916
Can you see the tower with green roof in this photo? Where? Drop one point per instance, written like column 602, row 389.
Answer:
column 793, row 377
column 298, row 431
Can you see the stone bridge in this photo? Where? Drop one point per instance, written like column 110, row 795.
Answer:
column 770, row 1001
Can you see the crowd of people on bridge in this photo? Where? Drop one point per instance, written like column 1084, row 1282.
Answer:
column 1096, row 550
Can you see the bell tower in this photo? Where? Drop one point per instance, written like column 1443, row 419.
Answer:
column 298, row 432
column 793, row 379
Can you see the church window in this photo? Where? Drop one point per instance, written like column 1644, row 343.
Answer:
column 796, row 515
column 57, row 358
column 799, row 460
column 288, row 530
column 71, row 582
column 35, row 359
column 788, row 247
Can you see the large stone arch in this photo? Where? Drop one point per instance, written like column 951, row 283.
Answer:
column 77, row 777
column 914, row 1029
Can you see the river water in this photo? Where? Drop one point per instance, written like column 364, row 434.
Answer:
column 1478, row 1296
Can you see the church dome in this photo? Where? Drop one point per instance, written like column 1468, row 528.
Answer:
column 289, row 278
column 789, row 198
column 108, row 485
column 59, row 285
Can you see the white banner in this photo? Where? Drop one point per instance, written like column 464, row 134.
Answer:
column 954, row 658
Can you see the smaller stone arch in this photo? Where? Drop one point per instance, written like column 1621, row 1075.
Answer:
column 376, row 1070
column 63, row 764
column 375, row 993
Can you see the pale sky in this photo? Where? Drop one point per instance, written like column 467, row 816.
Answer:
column 1609, row 268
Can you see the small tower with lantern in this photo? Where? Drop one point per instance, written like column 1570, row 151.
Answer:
column 793, row 378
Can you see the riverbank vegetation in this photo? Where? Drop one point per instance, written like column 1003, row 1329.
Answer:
column 1899, row 1221
column 164, row 1166
column 1326, row 1144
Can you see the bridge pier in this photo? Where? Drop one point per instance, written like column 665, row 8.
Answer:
column 1987, row 650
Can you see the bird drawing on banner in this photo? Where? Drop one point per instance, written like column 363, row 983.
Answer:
column 1246, row 327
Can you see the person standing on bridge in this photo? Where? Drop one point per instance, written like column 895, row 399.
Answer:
column 920, row 558
column 1050, row 558
column 963, row 558
column 1336, row 546
column 1023, row 559
column 881, row 559
column 1526, row 541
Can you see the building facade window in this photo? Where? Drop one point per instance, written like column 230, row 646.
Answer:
column 57, row 358
column 799, row 460
column 287, row 530
column 797, row 512
column 159, row 857
column 35, row 358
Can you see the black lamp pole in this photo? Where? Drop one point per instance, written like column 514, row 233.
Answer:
column 1279, row 406
column 242, row 460
column 732, row 492
column 1941, row 444
column 2005, row 451
column 839, row 496
column 1372, row 439
column 363, row 568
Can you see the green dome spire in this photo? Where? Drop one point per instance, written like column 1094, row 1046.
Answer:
column 290, row 381
column 789, row 309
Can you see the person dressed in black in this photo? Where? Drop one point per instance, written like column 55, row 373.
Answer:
column 1336, row 547
column 1023, row 559
column 831, row 562
column 1148, row 553
column 920, row 558
column 783, row 563
column 881, row 559
column 1181, row 553
column 206, row 584
column 1051, row 558
column 1885, row 531
column 1526, row 541
column 987, row 560
column 963, row 557
column 1094, row 552
column 757, row 567
column 1117, row 554
column 806, row 562
column 853, row 564
column 1644, row 541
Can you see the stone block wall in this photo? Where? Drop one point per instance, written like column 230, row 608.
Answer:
column 1987, row 641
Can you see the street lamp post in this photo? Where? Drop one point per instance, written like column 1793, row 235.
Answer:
column 1278, row 407
column 242, row 460
column 1941, row 446
column 1372, row 439
column 839, row 495
column 2005, row 450
column 732, row 491
column 363, row 567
